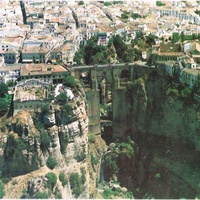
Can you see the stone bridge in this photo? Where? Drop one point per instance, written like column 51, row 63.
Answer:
column 98, row 80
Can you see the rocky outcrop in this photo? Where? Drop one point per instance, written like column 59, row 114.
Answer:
column 30, row 138
column 97, row 149
column 22, row 147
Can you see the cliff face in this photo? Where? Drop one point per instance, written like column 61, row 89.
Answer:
column 30, row 139
column 157, row 111
column 165, row 125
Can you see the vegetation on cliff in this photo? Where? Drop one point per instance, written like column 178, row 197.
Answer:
column 5, row 98
column 77, row 182
column 119, row 49
column 116, row 152
column 42, row 140
column 1, row 189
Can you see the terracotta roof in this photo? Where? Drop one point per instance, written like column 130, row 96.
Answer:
column 40, row 69
column 34, row 49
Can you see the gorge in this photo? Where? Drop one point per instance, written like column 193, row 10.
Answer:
column 150, row 125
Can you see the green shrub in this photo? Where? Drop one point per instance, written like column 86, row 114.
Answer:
column 3, row 89
column 135, row 15
column 69, row 81
column 129, row 195
column 2, row 193
column 62, row 98
column 63, row 179
column 107, row 193
column 78, row 103
column 91, row 138
column 39, row 125
column 117, row 2
column 111, row 162
column 51, row 163
column 107, row 3
column 3, row 128
column 41, row 195
column 20, row 144
column 44, row 140
column 159, row 3
column 124, row 16
column 127, row 148
column 76, row 184
column 80, row 156
column 94, row 161
column 172, row 91
column 186, row 92
column 5, row 179
column 45, row 108
column 67, row 108
column 3, row 106
column 52, row 180
column 81, row 3
column 57, row 194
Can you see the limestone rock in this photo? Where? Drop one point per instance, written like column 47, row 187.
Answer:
column 49, row 119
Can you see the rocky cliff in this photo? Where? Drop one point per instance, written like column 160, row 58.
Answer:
column 40, row 146
column 163, row 120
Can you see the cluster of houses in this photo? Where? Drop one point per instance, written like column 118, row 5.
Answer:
column 52, row 31
column 37, row 37
column 181, row 60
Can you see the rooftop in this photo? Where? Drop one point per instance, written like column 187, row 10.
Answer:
column 170, row 47
column 40, row 69
column 34, row 49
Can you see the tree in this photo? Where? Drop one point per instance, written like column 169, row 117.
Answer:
column 41, row 195
column 182, row 36
column 186, row 92
column 150, row 39
column 92, row 49
column 124, row 16
column 63, row 179
column 52, row 180
column 120, row 46
column 44, row 140
column 159, row 3
column 79, row 56
column 69, row 81
column 76, row 184
column 139, row 35
column 107, row 3
column 45, row 108
column 135, row 15
column 62, row 98
column 67, row 108
column 81, row 3
column 3, row 89
column 3, row 106
column 51, row 163
column 175, row 37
